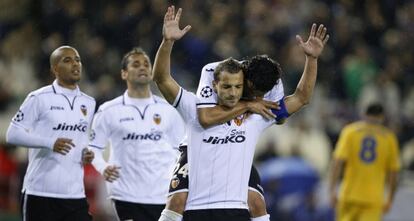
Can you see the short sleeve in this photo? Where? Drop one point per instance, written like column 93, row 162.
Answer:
column 341, row 150
column 394, row 162
column 185, row 103
column 100, row 131
column 206, row 97
column 276, row 93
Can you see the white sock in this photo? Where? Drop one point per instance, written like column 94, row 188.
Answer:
column 261, row 218
column 169, row 215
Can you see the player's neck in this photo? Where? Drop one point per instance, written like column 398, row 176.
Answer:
column 71, row 86
column 373, row 120
column 142, row 91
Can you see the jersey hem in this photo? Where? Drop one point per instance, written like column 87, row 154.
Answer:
column 140, row 201
column 54, row 195
column 257, row 191
column 217, row 206
column 177, row 191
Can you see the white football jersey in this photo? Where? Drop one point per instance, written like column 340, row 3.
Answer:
column 208, row 98
column 220, row 157
column 55, row 112
column 144, row 135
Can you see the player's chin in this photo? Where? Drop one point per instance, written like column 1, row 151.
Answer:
column 75, row 78
column 231, row 103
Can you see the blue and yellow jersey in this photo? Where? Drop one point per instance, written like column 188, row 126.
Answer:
column 370, row 151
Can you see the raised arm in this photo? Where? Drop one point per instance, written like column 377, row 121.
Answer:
column 161, row 71
column 312, row 48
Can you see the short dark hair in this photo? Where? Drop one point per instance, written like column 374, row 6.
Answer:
column 230, row 65
column 263, row 72
column 374, row 109
column 136, row 50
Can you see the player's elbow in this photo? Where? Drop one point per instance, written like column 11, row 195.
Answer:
column 9, row 135
column 204, row 122
column 156, row 77
column 203, row 119
column 303, row 98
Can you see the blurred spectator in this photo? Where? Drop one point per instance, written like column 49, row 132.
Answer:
column 9, row 192
column 313, row 145
column 289, row 183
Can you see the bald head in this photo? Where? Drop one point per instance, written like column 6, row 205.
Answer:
column 66, row 65
column 57, row 54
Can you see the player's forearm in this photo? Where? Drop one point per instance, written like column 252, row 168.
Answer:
column 217, row 115
column 19, row 136
column 304, row 89
column 334, row 177
column 163, row 61
column 162, row 77
column 98, row 161
column 393, row 182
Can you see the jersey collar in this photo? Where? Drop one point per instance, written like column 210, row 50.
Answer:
column 127, row 100
column 57, row 89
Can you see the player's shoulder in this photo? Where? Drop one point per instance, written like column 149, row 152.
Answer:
column 185, row 97
column 353, row 127
column 88, row 97
column 111, row 104
column 46, row 90
column 162, row 104
column 210, row 67
column 159, row 100
column 387, row 131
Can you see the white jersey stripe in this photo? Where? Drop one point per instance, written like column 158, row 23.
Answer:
column 24, row 207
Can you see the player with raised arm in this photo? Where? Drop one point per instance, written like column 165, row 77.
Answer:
column 264, row 67
column 258, row 71
column 144, row 132
column 53, row 122
column 228, row 83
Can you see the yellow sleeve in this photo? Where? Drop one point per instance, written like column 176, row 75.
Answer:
column 394, row 162
column 342, row 147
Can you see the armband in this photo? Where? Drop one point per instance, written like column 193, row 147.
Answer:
column 282, row 113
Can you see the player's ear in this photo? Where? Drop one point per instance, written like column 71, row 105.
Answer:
column 124, row 74
column 214, row 86
column 53, row 69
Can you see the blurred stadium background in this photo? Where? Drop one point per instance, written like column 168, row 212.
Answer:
column 369, row 57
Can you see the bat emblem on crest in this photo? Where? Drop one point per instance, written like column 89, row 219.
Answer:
column 157, row 118
column 84, row 110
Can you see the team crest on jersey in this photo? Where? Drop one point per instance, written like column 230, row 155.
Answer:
column 157, row 118
column 175, row 182
column 83, row 110
column 239, row 120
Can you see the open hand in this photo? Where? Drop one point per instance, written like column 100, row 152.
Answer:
column 171, row 29
column 313, row 47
